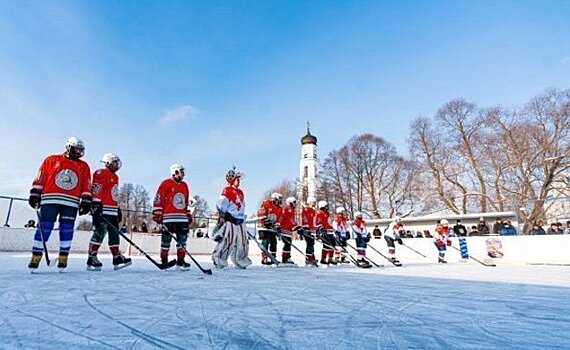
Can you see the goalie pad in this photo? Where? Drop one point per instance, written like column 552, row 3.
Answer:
column 234, row 244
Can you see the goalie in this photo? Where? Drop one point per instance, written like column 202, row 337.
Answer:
column 231, row 232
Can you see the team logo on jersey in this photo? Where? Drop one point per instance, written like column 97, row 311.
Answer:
column 115, row 193
column 95, row 188
column 66, row 179
column 179, row 201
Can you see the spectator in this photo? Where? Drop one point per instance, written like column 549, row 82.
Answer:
column 497, row 225
column 427, row 234
column 567, row 229
column 537, row 229
column 507, row 229
column 553, row 229
column 419, row 234
column 134, row 228
column 475, row 231
column 376, row 232
column 482, row 227
column 30, row 224
column 144, row 228
column 560, row 228
column 459, row 229
column 124, row 229
column 199, row 233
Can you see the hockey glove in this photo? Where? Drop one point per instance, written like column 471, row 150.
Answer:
column 157, row 216
column 400, row 242
column 449, row 242
column 85, row 205
column 35, row 198
column 97, row 209
column 439, row 243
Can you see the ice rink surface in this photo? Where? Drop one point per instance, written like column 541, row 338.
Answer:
column 457, row 306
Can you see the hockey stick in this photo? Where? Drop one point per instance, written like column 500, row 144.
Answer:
column 160, row 266
column 413, row 250
column 48, row 262
column 343, row 253
column 364, row 256
column 206, row 271
column 479, row 261
column 382, row 255
column 267, row 253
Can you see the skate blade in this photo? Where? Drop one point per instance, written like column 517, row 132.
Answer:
column 122, row 266
column 61, row 269
column 182, row 268
column 33, row 271
column 93, row 268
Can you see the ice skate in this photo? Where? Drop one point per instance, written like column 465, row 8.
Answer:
column 93, row 263
column 363, row 263
column 35, row 262
column 441, row 260
column 120, row 262
column 182, row 265
column 62, row 261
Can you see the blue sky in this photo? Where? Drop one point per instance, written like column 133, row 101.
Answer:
column 215, row 83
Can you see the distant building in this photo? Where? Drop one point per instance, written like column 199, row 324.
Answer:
column 307, row 185
column 558, row 203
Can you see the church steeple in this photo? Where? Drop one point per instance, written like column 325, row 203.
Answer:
column 307, row 185
column 309, row 139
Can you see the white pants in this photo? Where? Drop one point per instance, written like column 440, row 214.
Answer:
column 234, row 244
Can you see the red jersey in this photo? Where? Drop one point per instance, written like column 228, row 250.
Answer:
column 441, row 233
column 232, row 201
column 269, row 210
column 172, row 200
column 105, row 189
column 359, row 227
column 339, row 223
column 63, row 181
column 308, row 217
column 323, row 219
column 288, row 218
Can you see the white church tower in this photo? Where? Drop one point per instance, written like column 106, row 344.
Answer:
column 307, row 185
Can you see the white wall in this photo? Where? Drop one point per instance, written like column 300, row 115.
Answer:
column 517, row 249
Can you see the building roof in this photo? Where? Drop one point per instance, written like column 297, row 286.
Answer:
column 308, row 139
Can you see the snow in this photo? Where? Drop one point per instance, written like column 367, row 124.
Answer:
column 418, row 306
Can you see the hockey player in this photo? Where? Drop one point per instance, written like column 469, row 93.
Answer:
column 308, row 225
column 342, row 235
column 269, row 218
column 441, row 240
column 362, row 238
column 170, row 210
column 394, row 234
column 231, row 235
column 106, row 213
column 62, row 186
column 326, row 233
column 289, row 226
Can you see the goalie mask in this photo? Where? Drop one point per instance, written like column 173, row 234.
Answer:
column 74, row 148
column 233, row 177
column 111, row 161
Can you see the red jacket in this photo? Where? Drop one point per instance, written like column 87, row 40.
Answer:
column 288, row 218
column 269, row 210
column 308, row 217
column 63, row 181
column 323, row 219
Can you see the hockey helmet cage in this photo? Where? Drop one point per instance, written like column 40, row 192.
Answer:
column 112, row 161
column 175, row 169
column 74, row 148
column 291, row 201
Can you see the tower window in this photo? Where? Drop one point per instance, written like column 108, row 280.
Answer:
column 305, row 172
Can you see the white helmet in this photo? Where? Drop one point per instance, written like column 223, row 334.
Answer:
column 311, row 200
column 340, row 210
column 322, row 204
column 74, row 148
column 112, row 161
column 291, row 201
column 358, row 214
column 276, row 196
column 444, row 222
column 176, row 169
